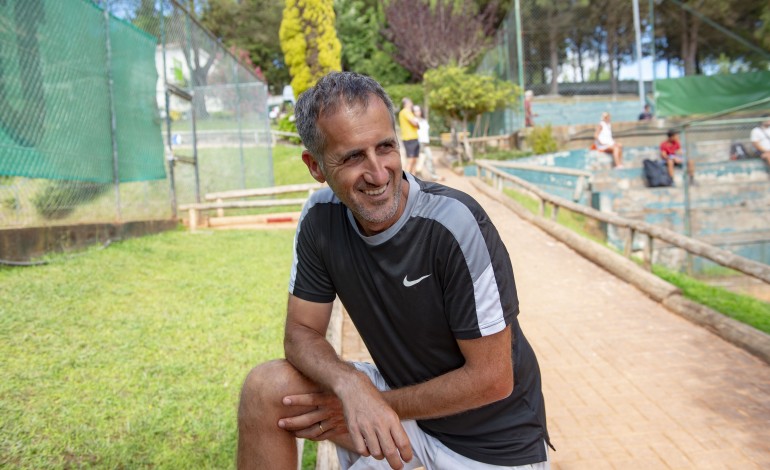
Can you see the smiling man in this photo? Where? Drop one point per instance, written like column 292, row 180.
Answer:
column 429, row 285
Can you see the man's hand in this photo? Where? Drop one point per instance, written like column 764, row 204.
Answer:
column 324, row 422
column 375, row 428
column 378, row 430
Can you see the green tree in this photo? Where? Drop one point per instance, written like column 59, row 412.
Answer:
column 309, row 41
column 762, row 33
column 686, row 33
column 558, row 15
column 460, row 95
column 364, row 48
column 251, row 25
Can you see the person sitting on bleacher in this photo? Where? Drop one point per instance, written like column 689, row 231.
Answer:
column 604, row 142
column 671, row 153
column 760, row 137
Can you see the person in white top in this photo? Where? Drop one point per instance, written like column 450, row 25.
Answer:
column 760, row 138
column 605, row 143
column 423, row 136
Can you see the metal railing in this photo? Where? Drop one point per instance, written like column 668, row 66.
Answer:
column 690, row 245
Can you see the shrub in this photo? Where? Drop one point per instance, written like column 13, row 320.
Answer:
column 542, row 140
column 309, row 41
column 414, row 91
column 287, row 124
column 60, row 198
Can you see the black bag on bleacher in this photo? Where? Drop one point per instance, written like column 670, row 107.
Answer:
column 656, row 173
column 738, row 152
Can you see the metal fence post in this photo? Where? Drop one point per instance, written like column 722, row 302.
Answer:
column 193, row 104
column 113, row 119
column 167, row 96
column 519, row 53
column 240, row 132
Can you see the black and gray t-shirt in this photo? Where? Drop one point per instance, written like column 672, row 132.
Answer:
column 439, row 274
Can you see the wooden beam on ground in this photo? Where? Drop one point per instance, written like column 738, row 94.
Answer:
column 242, row 204
column 272, row 191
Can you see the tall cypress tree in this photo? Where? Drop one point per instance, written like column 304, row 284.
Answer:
column 309, row 41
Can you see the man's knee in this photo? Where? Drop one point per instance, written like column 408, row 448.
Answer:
column 264, row 388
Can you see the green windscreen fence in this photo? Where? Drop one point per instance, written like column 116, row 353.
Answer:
column 55, row 109
column 709, row 94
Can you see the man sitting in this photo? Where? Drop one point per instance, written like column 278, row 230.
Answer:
column 428, row 283
column 671, row 153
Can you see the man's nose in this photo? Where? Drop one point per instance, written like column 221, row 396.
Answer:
column 375, row 172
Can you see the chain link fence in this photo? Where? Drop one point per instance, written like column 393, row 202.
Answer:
column 118, row 110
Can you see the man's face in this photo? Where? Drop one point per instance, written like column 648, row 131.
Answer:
column 362, row 164
column 674, row 138
column 766, row 123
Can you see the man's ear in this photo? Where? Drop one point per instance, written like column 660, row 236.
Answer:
column 313, row 166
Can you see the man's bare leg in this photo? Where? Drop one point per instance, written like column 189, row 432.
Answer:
column 261, row 443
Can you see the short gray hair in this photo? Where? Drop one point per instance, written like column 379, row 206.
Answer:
column 325, row 98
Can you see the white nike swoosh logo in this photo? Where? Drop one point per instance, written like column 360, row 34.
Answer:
column 408, row 283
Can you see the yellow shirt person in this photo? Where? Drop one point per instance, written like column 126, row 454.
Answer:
column 409, row 125
column 405, row 120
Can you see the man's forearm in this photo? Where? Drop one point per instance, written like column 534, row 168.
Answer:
column 310, row 353
column 486, row 377
column 448, row 394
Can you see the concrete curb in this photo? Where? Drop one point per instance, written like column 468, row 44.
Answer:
column 744, row 336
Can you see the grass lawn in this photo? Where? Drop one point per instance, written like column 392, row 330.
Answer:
column 133, row 356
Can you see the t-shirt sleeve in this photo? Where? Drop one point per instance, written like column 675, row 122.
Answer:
column 479, row 289
column 310, row 279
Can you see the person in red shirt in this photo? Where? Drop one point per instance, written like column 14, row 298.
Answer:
column 671, row 153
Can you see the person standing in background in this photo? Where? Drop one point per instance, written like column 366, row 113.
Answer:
column 423, row 137
column 528, row 115
column 409, row 125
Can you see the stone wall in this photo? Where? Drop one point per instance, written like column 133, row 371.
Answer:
column 24, row 244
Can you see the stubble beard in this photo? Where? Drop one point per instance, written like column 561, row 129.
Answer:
column 375, row 216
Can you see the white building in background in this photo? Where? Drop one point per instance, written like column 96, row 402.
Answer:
column 178, row 73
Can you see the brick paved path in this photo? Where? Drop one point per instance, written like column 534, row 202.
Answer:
column 628, row 384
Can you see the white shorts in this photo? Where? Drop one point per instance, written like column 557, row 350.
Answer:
column 428, row 451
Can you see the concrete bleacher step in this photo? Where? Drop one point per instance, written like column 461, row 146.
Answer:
column 729, row 203
column 706, row 174
column 719, row 196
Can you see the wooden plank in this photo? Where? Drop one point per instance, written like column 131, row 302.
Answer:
column 255, row 219
column 326, row 457
column 242, row 204
column 244, row 193
column 193, row 219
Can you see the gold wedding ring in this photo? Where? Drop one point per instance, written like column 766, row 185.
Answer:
column 321, row 428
